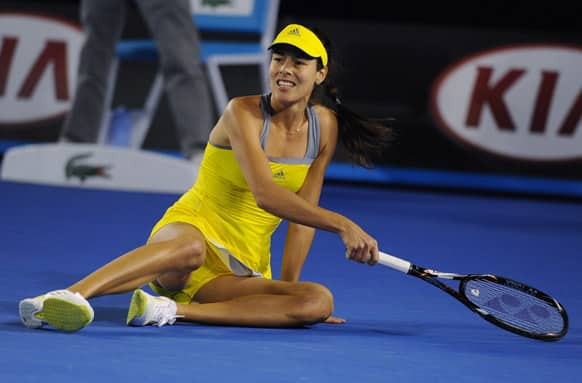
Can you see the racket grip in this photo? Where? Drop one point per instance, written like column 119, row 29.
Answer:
column 394, row 262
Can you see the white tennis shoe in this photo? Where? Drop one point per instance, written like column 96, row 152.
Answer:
column 145, row 309
column 29, row 309
column 62, row 309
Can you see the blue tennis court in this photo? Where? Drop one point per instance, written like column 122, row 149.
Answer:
column 399, row 328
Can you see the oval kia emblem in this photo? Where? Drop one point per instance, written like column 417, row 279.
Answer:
column 521, row 102
column 38, row 66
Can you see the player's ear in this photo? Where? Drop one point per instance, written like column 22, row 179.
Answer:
column 320, row 75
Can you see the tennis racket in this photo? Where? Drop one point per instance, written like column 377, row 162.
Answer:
column 511, row 305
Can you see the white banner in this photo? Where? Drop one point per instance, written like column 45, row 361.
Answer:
column 98, row 167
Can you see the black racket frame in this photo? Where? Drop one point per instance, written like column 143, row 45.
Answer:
column 431, row 277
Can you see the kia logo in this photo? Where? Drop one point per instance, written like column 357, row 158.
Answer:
column 521, row 102
column 38, row 67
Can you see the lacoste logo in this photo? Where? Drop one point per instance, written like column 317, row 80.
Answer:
column 295, row 32
column 75, row 168
column 279, row 175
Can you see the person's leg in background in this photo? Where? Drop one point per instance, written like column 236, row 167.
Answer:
column 103, row 22
column 171, row 24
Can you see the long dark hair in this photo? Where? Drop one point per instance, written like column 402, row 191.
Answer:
column 364, row 138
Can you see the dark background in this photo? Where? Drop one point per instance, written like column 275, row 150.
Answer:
column 537, row 15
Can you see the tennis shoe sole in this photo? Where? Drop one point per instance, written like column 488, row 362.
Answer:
column 137, row 308
column 66, row 315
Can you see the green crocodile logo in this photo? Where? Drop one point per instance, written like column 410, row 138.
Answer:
column 76, row 168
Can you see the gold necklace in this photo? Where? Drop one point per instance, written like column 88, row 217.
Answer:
column 298, row 130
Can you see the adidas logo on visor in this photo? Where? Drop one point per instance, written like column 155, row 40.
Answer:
column 294, row 31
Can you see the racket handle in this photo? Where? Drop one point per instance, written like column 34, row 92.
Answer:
column 394, row 262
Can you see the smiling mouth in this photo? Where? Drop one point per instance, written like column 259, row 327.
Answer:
column 285, row 84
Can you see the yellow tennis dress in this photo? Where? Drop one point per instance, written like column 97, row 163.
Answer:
column 221, row 205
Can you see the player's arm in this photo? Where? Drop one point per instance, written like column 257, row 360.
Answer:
column 300, row 237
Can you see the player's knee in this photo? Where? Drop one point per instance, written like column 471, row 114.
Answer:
column 188, row 255
column 316, row 304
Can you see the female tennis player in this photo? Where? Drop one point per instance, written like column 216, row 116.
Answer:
column 209, row 255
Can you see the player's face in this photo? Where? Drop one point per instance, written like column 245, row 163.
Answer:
column 292, row 76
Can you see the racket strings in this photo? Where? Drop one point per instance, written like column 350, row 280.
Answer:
column 514, row 307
